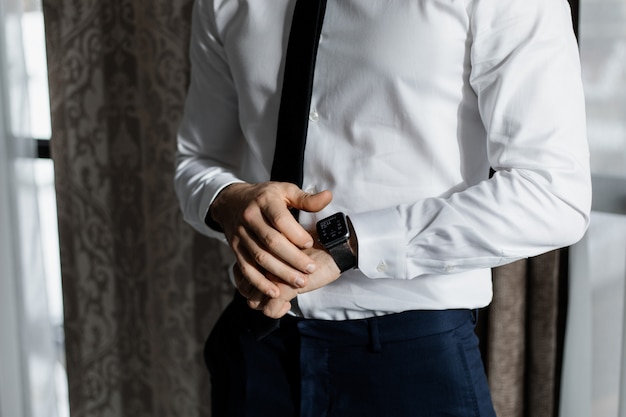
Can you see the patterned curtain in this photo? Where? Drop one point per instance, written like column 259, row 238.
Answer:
column 141, row 289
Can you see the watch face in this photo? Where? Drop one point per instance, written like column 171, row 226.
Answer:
column 333, row 230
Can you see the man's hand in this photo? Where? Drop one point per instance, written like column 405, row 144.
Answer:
column 326, row 272
column 266, row 239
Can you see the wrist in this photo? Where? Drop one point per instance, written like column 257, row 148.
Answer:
column 219, row 204
column 353, row 243
column 334, row 234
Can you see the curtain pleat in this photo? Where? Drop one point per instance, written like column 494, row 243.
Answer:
column 141, row 289
column 522, row 335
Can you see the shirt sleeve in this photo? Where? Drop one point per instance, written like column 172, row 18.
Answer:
column 525, row 72
column 209, row 137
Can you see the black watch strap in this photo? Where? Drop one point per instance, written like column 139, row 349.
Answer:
column 343, row 256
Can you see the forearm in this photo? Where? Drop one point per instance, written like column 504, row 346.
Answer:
column 197, row 183
column 495, row 222
column 525, row 74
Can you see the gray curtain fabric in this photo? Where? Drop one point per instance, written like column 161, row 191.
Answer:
column 522, row 335
column 141, row 289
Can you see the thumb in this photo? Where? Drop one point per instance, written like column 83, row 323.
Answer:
column 312, row 202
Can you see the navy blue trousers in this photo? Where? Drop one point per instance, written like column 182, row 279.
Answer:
column 416, row 363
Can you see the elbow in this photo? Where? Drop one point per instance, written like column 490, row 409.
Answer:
column 565, row 202
column 574, row 216
column 577, row 227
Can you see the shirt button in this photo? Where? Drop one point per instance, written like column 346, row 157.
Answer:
column 381, row 267
column 314, row 116
column 321, row 37
column 449, row 268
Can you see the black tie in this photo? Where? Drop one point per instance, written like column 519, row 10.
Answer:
column 293, row 115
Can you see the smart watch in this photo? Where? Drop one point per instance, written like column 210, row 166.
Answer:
column 334, row 233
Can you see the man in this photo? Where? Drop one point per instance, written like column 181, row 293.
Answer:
column 412, row 103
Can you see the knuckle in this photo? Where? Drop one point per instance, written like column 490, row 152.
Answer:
column 261, row 258
column 249, row 214
column 265, row 194
column 270, row 310
column 273, row 187
column 281, row 218
column 272, row 193
column 237, row 240
column 246, row 272
column 272, row 240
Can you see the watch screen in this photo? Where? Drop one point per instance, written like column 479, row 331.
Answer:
column 333, row 229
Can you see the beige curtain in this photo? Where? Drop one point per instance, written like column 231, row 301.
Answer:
column 141, row 289
column 522, row 335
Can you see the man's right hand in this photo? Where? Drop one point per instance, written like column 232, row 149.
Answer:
column 264, row 235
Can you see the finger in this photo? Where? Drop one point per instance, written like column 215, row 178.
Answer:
column 274, row 205
column 311, row 202
column 276, row 215
column 251, row 273
column 276, row 308
column 282, row 267
column 273, row 224
column 253, row 296
column 241, row 283
column 245, row 288
column 284, row 221
column 257, row 300
column 271, row 250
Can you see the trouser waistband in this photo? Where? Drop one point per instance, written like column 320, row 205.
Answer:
column 374, row 330
column 382, row 329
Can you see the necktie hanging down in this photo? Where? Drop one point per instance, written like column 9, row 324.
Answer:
column 295, row 102
column 293, row 114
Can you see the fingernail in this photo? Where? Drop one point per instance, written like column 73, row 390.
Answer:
column 272, row 293
column 300, row 282
column 308, row 245
column 310, row 268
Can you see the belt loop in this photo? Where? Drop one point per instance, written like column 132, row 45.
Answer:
column 375, row 345
column 474, row 315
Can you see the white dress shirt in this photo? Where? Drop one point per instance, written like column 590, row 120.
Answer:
column 413, row 102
